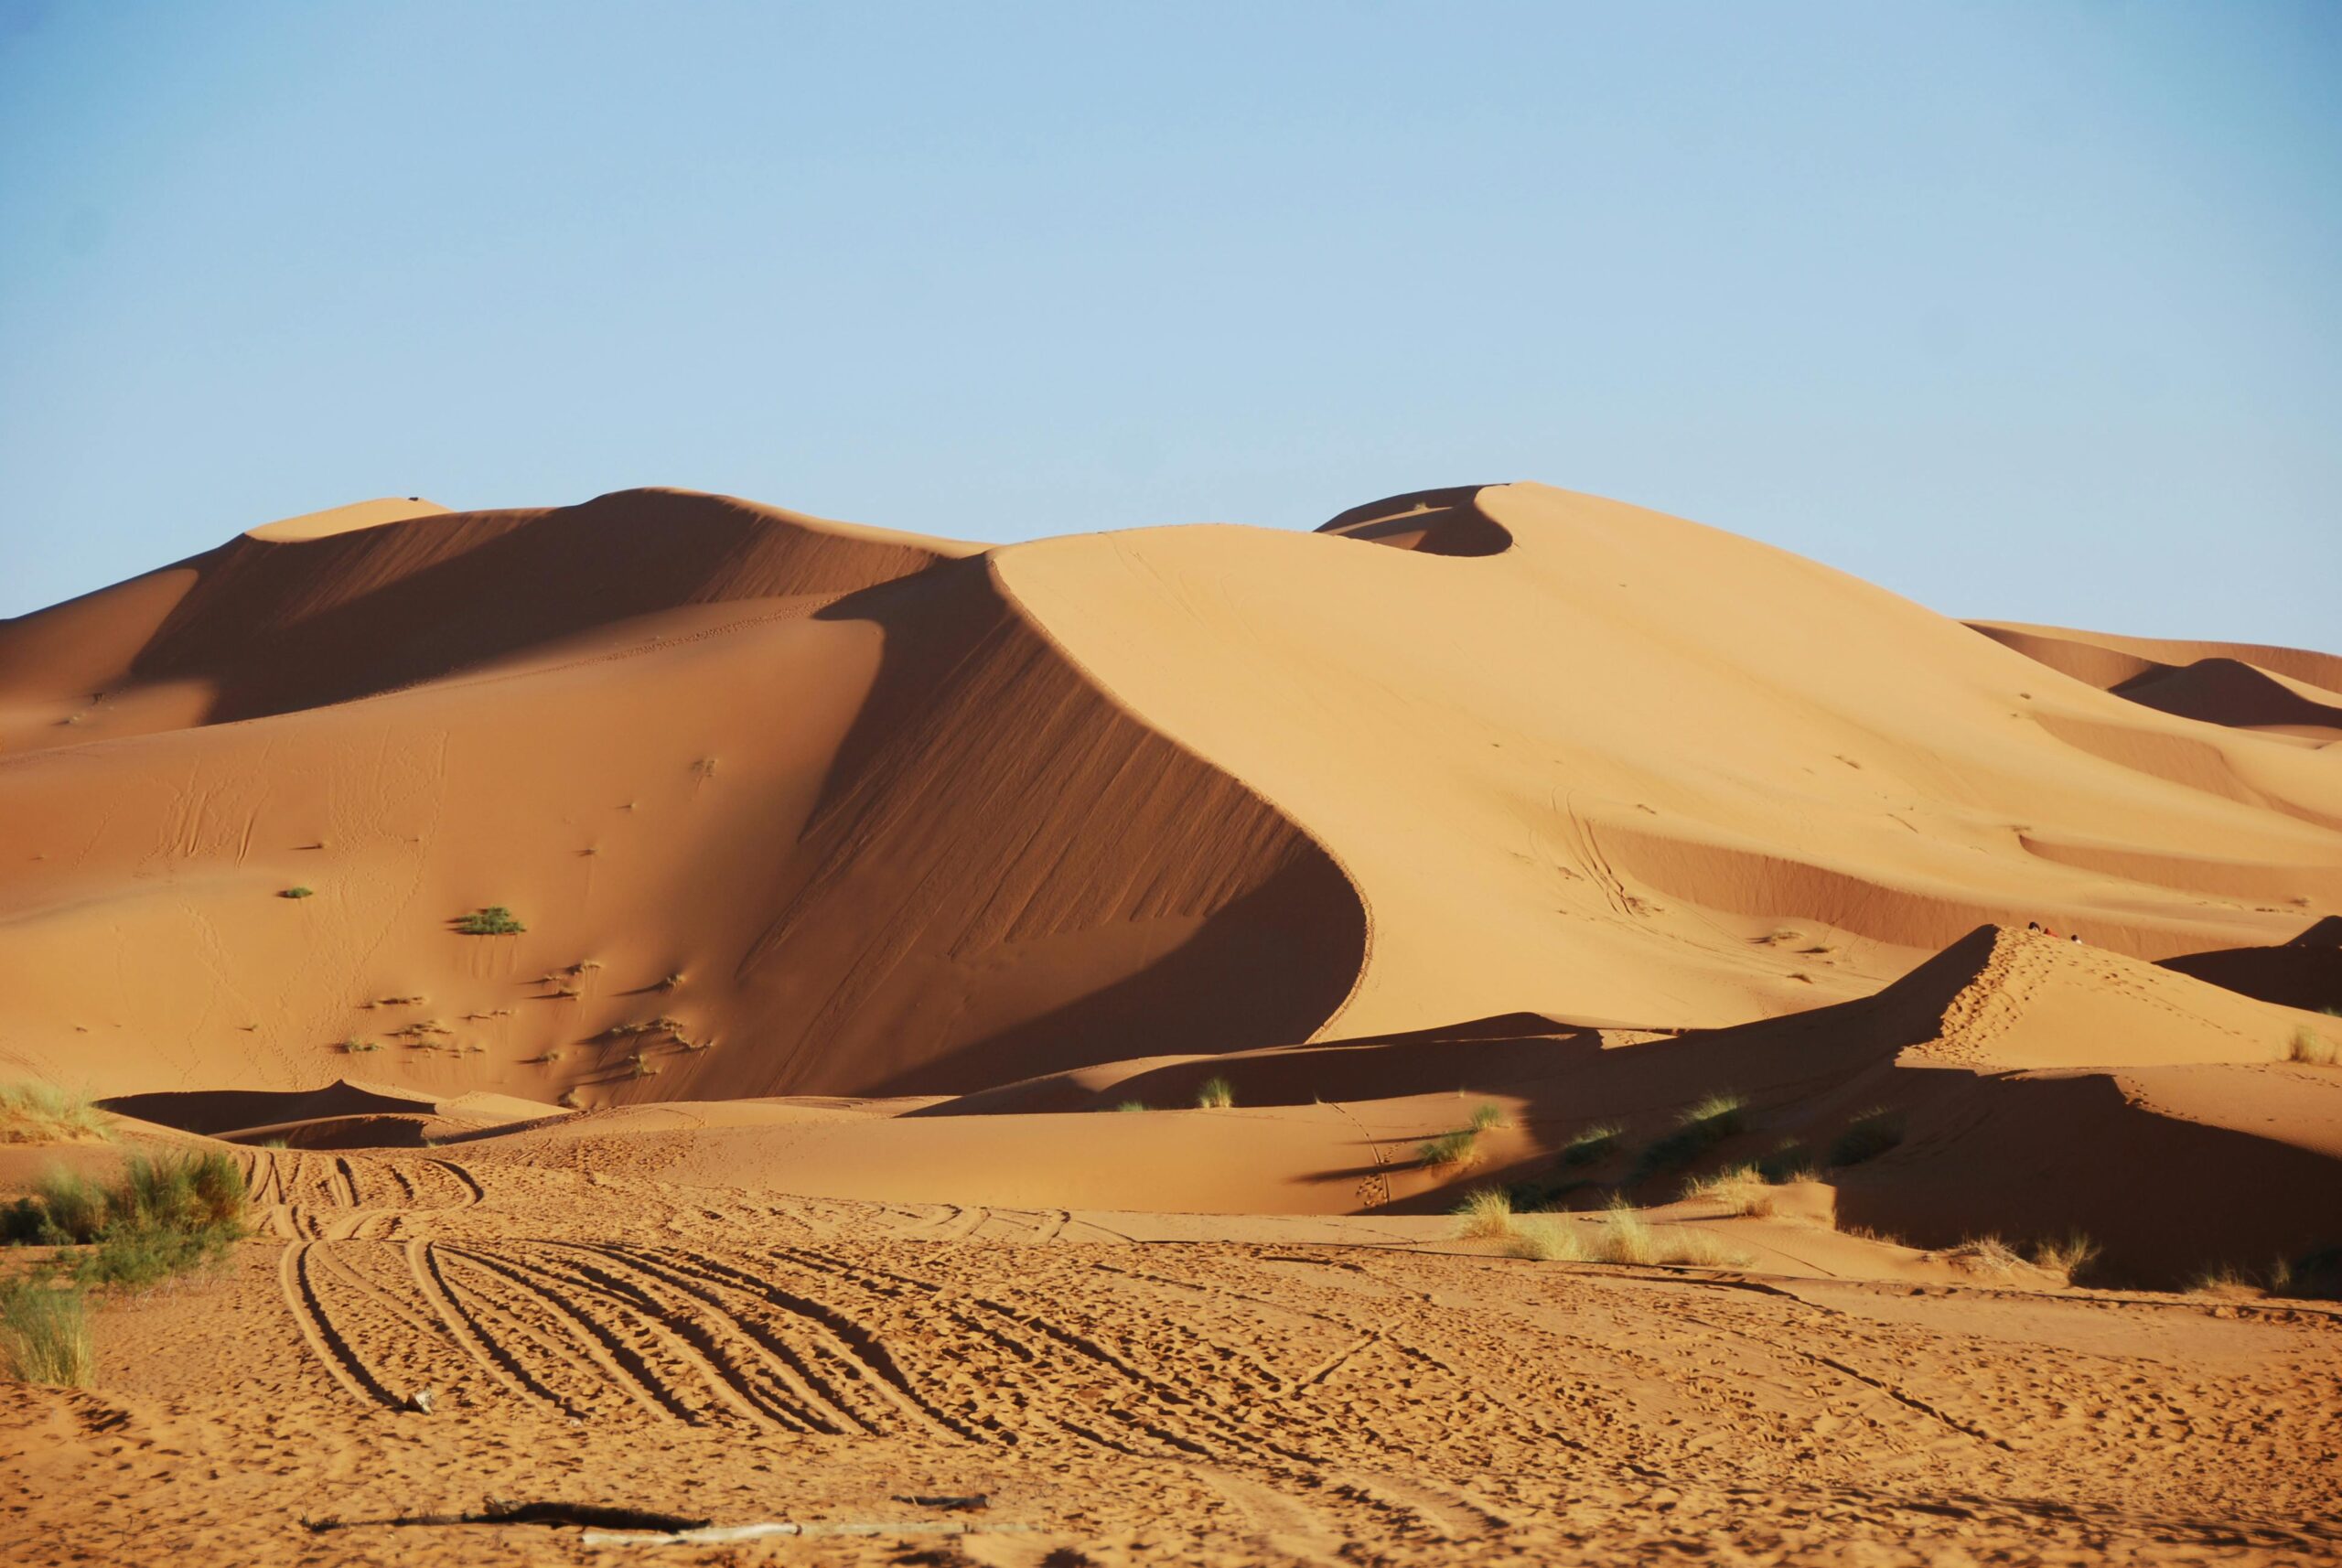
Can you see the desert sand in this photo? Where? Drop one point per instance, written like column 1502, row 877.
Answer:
column 978, row 1014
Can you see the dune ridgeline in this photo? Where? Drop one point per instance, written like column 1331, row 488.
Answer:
column 768, row 850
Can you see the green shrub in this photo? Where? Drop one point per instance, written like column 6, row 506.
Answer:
column 1132, row 1105
column 1460, row 1147
column 1867, row 1136
column 44, row 1333
column 1485, row 1118
column 495, row 920
column 1217, row 1094
column 160, row 1217
column 298, row 893
column 1697, row 1131
column 1591, row 1145
column 1791, row 1162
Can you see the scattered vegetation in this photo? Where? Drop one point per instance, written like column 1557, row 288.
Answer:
column 1486, row 1117
column 639, row 1065
column 1485, row 1212
column 1461, row 1147
column 159, row 1217
column 1787, row 1163
column 45, row 1333
column 1870, row 1134
column 1591, row 1145
column 494, row 920
column 1536, row 1237
column 2313, row 1049
column 1697, row 1131
column 1217, row 1094
column 298, row 893
column 354, row 1046
column 1132, row 1105
column 1741, row 1190
column 43, row 1113
column 1624, row 1236
column 2069, row 1256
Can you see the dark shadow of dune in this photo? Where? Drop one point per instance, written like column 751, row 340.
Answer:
column 276, row 627
column 1435, row 522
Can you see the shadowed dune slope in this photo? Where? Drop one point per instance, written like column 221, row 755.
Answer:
column 1631, row 770
column 887, row 840
column 2287, row 690
column 330, row 608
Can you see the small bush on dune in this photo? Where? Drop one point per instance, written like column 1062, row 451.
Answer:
column 2069, row 1256
column 298, row 893
column 1484, row 1212
column 495, row 920
column 1741, row 1190
column 1791, row 1162
column 1485, row 1118
column 1536, row 1237
column 1457, row 1148
column 43, row 1113
column 2313, row 1049
column 1591, row 1145
column 1132, row 1105
column 161, row 1218
column 44, row 1333
column 1624, row 1236
column 1217, row 1094
column 1867, row 1136
column 1698, row 1130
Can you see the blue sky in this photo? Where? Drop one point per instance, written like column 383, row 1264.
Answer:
column 2030, row 311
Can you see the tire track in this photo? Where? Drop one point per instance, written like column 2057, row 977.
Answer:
column 334, row 1352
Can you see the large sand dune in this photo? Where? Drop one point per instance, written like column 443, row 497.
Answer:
column 890, row 903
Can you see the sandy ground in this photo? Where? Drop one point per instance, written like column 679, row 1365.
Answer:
column 1343, row 1391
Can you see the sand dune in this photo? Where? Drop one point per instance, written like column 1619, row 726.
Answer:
column 1016, row 1021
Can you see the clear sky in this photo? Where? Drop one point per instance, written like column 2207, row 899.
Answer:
column 2030, row 311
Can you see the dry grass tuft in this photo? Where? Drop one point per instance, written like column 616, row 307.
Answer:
column 1460, row 1149
column 1624, row 1236
column 1540, row 1239
column 1591, row 1145
column 1486, row 1213
column 1217, row 1094
column 43, row 1113
column 1741, row 1190
column 44, row 1333
column 2313, row 1049
column 2068, row 1256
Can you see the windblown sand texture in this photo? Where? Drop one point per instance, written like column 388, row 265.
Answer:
column 776, row 1170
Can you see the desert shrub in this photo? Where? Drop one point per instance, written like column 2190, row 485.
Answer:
column 42, row 1112
column 44, row 1333
column 1217, row 1094
column 494, row 920
column 298, row 893
column 2315, row 1275
column 1132, row 1105
column 73, row 1209
column 639, row 1065
column 160, row 1217
column 1741, row 1190
column 2220, row 1278
column 1984, row 1254
column 2069, row 1255
column 1460, row 1147
column 1485, row 1118
column 354, row 1046
column 1697, row 1131
column 1624, row 1236
column 1486, row 1211
column 2313, row 1049
column 1539, row 1238
column 1789, row 1162
column 1868, row 1135
column 1591, row 1145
